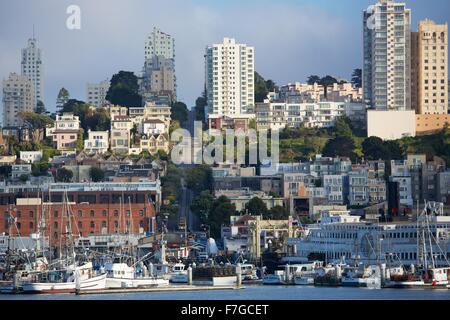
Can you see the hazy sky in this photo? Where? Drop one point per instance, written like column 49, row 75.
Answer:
column 292, row 39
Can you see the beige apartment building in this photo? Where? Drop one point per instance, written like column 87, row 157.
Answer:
column 18, row 96
column 430, row 61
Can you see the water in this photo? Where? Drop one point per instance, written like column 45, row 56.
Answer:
column 259, row 292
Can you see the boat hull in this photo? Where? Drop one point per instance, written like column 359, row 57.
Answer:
column 94, row 283
column 116, row 283
column 179, row 278
column 304, row 281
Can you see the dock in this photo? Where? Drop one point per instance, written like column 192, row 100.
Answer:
column 160, row 289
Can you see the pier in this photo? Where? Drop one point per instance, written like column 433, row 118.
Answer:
column 160, row 289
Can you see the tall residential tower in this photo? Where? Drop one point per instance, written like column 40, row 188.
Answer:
column 32, row 68
column 229, row 72
column 387, row 56
column 159, row 67
column 430, row 65
column 18, row 96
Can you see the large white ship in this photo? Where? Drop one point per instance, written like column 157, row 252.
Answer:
column 340, row 235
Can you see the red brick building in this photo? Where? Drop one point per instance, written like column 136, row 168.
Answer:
column 91, row 212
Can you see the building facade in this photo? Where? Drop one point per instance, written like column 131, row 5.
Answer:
column 387, row 56
column 67, row 128
column 18, row 96
column 96, row 93
column 32, row 68
column 431, row 64
column 95, row 209
column 97, row 142
column 229, row 74
column 158, row 74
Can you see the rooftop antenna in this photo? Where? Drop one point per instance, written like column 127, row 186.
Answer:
column 33, row 30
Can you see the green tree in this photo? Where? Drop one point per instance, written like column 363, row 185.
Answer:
column 179, row 112
column 200, row 105
column 341, row 146
column 23, row 178
column 256, row 207
column 374, row 149
column 62, row 99
column 80, row 140
column 202, row 204
column 220, row 213
column 96, row 174
column 171, row 183
column 263, row 87
column 199, row 178
column 64, row 175
column 326, row 82
column 394, row 149
column 36, row 123
column 40, row 107
column 313, row 79
column 343, row 127
column 123, row 90
column 278, row 213
column 40, row 168
column 357, row 78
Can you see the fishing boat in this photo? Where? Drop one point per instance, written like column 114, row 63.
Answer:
column 178, row 274
column 361, row 277
column 120, row 275
column 431, row 272
column 81, row 278
column 284, row 274
column 248, row 272
column 330, row 275
column 307, row 274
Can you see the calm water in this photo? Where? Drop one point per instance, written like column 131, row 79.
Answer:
column 259, row 293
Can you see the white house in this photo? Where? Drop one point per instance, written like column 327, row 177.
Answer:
column 97, row 142
column 31, row 156
column 153, row 127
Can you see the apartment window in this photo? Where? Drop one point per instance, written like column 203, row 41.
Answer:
column 92, row 213
column 80, row 213
column 104, row 213
column 92, row 224
column 80, row 225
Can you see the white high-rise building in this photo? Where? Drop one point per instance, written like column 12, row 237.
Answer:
column 160, row 44
column 96, row 93
column 158, row 75
column 230, row 81
column 32, row 68
column 18, row 96
column 387, row 56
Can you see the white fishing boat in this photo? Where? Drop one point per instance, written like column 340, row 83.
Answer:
column 178, row 274
column 120, row 275
column 307, row 273
column 361, row 277
column 81, row 278
column 248, row 272
column 277, row 278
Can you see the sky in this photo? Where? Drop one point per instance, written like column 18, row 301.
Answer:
column 292, row 38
